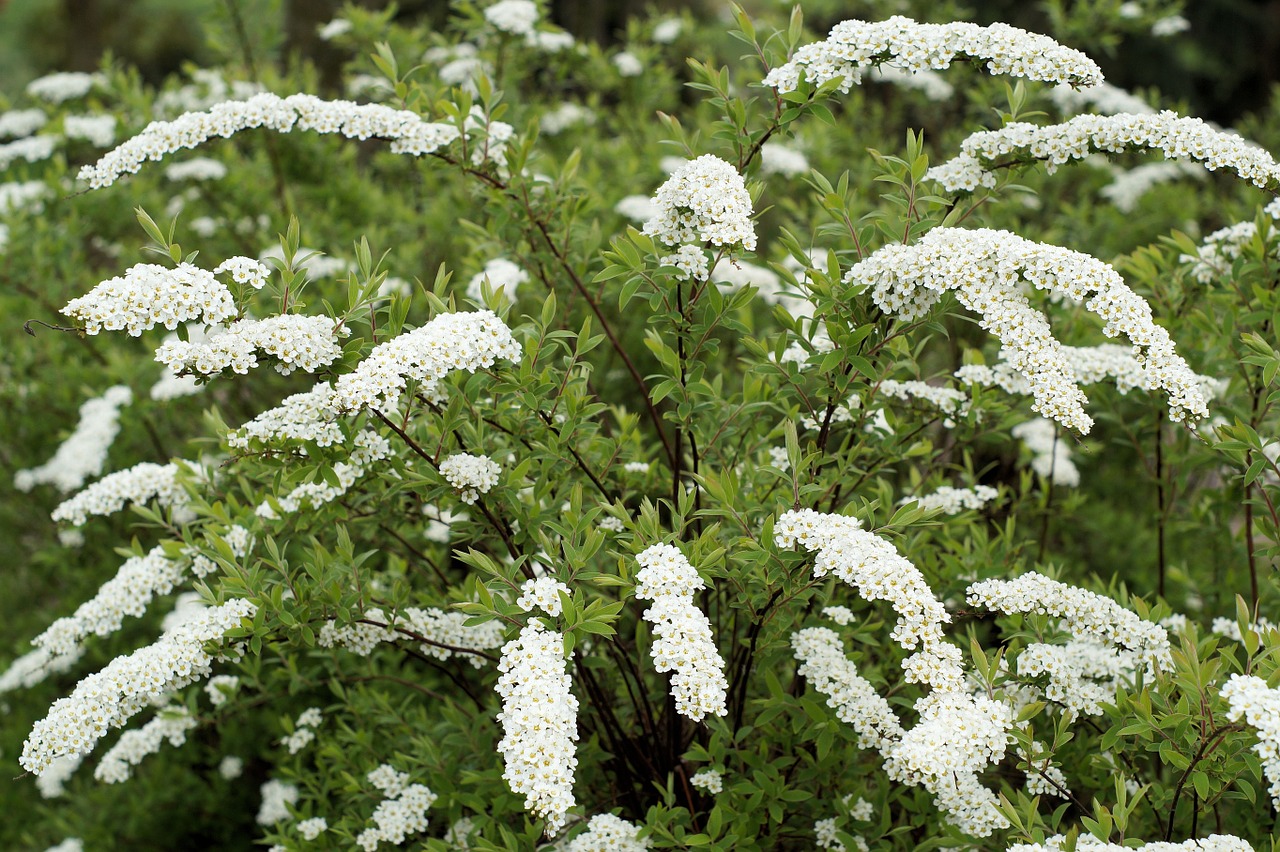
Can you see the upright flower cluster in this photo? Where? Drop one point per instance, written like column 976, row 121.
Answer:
column 138, row 484
column 293, row 342
column 682, row 634
column 1083, row 614
column 110, row 697
column 84, row 453
column 1177, row 137
column 704, row 201
column 149, row 295
column 171, row 723
column 984, row 268
column 449, row 342
column 470, row 475
column 542, row 593
column 899, row 42
column 408, row 133
column 608, row 833
column 539, row 722
column 1250, row 698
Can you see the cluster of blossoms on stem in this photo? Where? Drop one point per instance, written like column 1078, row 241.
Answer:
column 369, row 447
column 539, row 720
column 18, row 123
column 682, row 633
column 542, row 593
column 709, row 781
column 1128, row 186
column 277, row 796
column 292, row 341
column 408, row 133
column 1230, row 628
column 608, row 833
column 312, row 828
column 304, row 730
column 99, row 130
column 704, row 201
column 71, row 844
column 33, row 667
column 1050, row 455
column 109, row 698
column 934, row 85
column 823, row 663
column 53, row 783
column 949, row 401
column 984, row 268
column 197, row 169
column 63, row 86
column 360, row 638
column 458, row 341
column 953, row 500
column 1103, row 98
column 502, row 275
column 398, row 816
column 824, row 837
column 1250, row 698
column 303, row 417
column 171, row 723
column 903, row 43
column 149, row 295
column 1089, row 843
column 1219, row 250
column 33, row 150
column 1083, row 614
column 1081, row 674
column 84, row 453
column 470, row 475
column 138, row 484
column 1177, row 137
column 26, row 196
column 220, row 688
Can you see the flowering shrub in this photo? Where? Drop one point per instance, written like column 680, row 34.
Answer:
column 642, row 466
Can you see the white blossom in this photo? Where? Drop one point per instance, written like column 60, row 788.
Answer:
column 503, row 277
column 953, row 500
column 99, row 130
column 63, row 86
column 1050, row 454
column 277, row 796
column 470, row 475
column 709, row 781
column 705, row 200
column 292, row 341
column 18, row 123
column 542, row 593
column 608, row 833
column 149, row 295
column 138, row 484
column 84, row 453
column 171, row 723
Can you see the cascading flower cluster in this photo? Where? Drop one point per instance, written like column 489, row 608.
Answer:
column 171, row 723
column 408, row 133
column 1084, row 614
column 984, row 268
column 304, row 730
column 704, row 201
column 1082, row 674
column 823, row 663
column 1250, row 698
column 1177, row 137
column 310, row 416
column 449, row 342
column 149, row 295
column 369, row 447
column 608, row 833
column 682, row 634
column 539, row 720
column 899, row 42
column 110, row 697
column 293, row 341
column 138, row 484
column 84, row 453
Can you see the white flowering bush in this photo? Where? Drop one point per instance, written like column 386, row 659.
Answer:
column 803, row 436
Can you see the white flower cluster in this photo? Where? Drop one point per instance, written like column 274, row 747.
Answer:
column 1177, row 137
column 333, row 29
column 704, row 201
column 1089, row 843
column 277, row 796
column 138, row 484
column 1084, row 614
column 196, row 169
column 149, row 295
column 902, row 43
column 514, row 17
column 934, row 86
column 358, row 638
column 84, row 453
column 1103, row 98
column 304, row 730
column 690, row 260
column 107, row 699
column 18, row 123
column 63, row 86
column 16, row 196
column 569, row 114
column 231, row 767
column 856, row 702
column 841, row 615
column 682, row 642
column 1043, row 777
column 638, row 208
column 441, row 628
column 171, row 723
column 245, row 270
column 949, row 401
column 1229, row 628
column 315, row 263
column 458, row 341
column 34, row 666
column 1082, row 674
column 539, row 720
column 32, row 149
column 1130, row 185
column 470, row 475
column 1250, row 698
column 312, row 828
column 1050, row 455
column 370, row 447
column 302, row 417
column 878, row 572
column 503, row 276
column 236, row 537
column 207, row 87
column 953, row 500
column 709, row 781
column 408, row 133
column 99, row 130
column 220, row 688
column 608, row 833
column 293, row 341
column 71, row 844
column 1220, row 249
column 984, row 267
column 778, row 159
column 544, row 593
column 53, row 783
column 132, row 589
column 628, row 64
